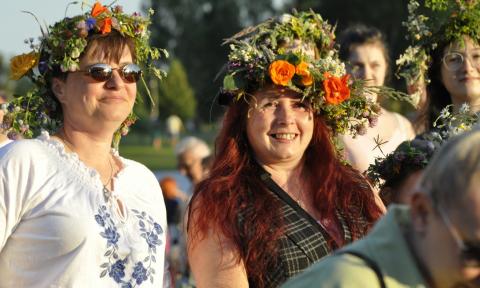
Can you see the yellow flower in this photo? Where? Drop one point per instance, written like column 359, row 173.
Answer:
column 21, row 64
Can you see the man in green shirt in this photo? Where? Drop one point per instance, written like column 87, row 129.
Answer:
column 433, row 243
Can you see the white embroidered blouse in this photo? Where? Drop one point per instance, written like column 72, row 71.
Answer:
column 58, row 230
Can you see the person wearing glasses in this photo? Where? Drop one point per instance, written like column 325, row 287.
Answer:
column 278, row 198
column 433, row 243
column 365, row 52
column 445, row 55
column 73, row 212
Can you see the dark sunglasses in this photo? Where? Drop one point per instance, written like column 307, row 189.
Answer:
column 100, row 72
column 469, row 251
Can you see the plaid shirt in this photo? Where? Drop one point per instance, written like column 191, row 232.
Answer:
column 304, row 241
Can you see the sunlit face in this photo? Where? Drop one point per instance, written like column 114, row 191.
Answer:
column 87, row 102
column 404, row 192
column 462, row 81
column 279, row 126
column 190, row 165
column 450, row 268
column 368, row 62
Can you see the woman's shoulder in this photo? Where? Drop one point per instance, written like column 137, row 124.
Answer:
column 403, row 124
column 23, row 149
column 139, row 173
column 136, row 167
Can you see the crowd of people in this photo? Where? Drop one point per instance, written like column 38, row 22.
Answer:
column 311, row 182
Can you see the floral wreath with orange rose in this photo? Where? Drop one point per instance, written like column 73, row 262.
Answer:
column 298, row 51
column 60, row 49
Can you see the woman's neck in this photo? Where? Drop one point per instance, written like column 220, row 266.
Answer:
column 291, row 177
column 473, row 103
column 91, row 149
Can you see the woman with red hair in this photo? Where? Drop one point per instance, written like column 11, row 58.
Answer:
column 278, row 198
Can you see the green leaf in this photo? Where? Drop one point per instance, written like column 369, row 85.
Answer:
column 229, row 83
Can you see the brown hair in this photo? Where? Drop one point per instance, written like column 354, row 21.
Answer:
column 110, row 46
column 359, row 34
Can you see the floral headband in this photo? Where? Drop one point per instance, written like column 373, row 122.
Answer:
column 298, row 52
column 442, row 21
column 411, row 156
column 60, row 49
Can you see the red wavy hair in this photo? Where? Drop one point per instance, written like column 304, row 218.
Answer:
column 218, row 199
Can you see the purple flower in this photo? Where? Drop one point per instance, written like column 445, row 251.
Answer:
column 91, row 23
column 361, row 129
column 118, row 9
column 42, row 67
column 399, row 156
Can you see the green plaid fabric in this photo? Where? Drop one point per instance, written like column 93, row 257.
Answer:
column 304, row 241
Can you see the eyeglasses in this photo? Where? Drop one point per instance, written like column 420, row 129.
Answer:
column 100, row 72
column 454, row 60
column 469, row 252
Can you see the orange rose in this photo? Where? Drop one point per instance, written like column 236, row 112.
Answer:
column 281, row 72
column 106, row 26
column 336, row 89
column 98, row 9
column 302, row 70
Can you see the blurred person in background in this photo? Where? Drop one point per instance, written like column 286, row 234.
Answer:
column 434, row 242
column 174, row 126
column 190, row 152
column 444, row 56
column 365, row 52
column 175, row 203
column 4, row 140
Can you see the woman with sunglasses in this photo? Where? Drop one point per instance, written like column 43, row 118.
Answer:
column 445, row 52
column 278, row 198
column 73, row 213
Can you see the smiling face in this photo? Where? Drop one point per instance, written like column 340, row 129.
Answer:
column 279, row 126
column 87, row 102
column 462, row 81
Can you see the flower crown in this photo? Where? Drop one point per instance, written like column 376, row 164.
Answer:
column 297, row 51
column 414, row 155
column 59, row 50
column 443, row 21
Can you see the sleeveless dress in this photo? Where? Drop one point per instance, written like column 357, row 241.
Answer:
column 361, row 161
column 304, row 241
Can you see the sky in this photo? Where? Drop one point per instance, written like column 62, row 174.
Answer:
column 17, row 26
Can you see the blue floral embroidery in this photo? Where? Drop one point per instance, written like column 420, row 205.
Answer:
column 149, row 230
column 117, row 271
column 139, row 273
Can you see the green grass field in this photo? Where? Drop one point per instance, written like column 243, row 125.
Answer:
column 162, row 159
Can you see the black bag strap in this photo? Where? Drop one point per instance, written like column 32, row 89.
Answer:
column 370, row 264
